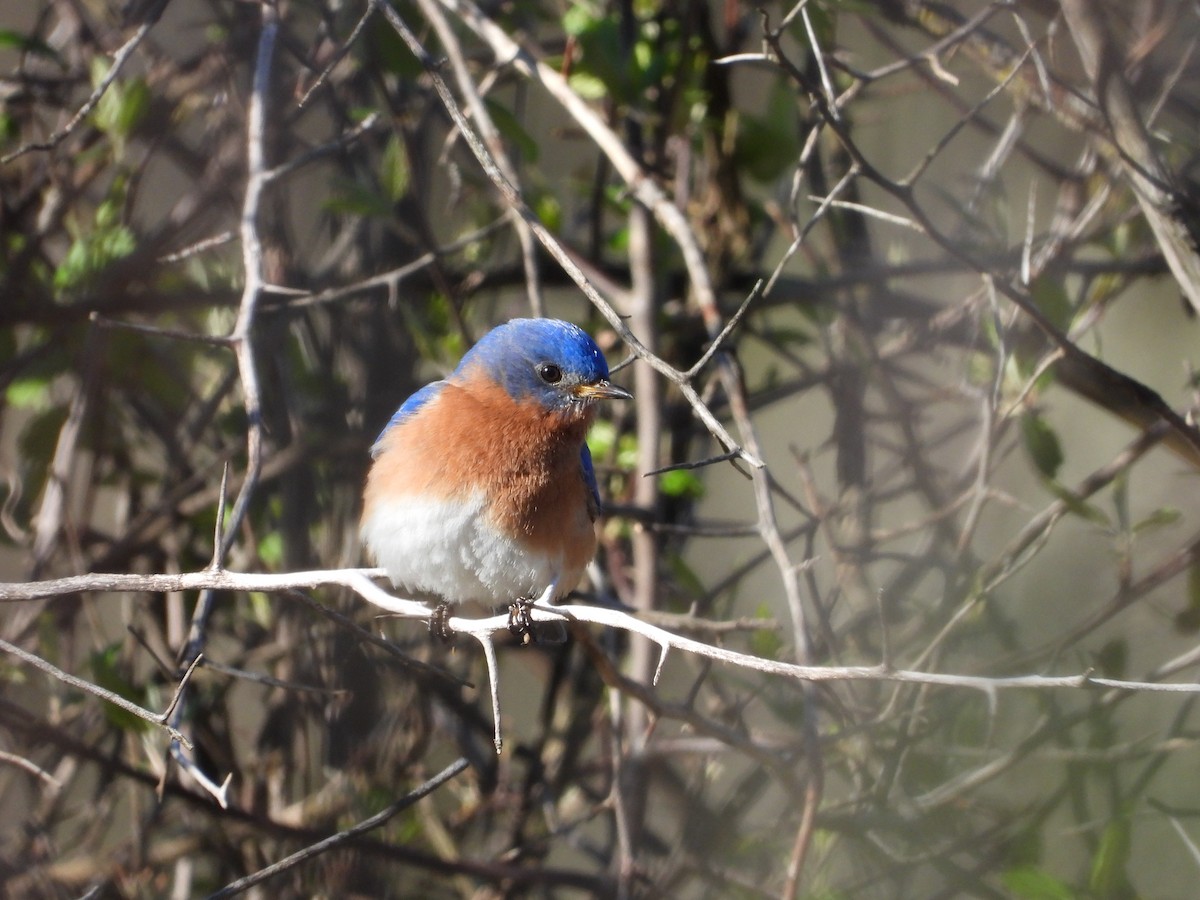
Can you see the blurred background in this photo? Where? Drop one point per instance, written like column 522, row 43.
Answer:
column 968, row 371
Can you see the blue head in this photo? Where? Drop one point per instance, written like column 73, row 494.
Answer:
column 549, row 361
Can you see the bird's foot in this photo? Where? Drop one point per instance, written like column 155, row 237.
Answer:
column 520, row 622
column 439, row 623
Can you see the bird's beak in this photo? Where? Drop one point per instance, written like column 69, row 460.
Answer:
column 601, row 390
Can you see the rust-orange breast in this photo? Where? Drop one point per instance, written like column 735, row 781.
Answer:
column 475, row 439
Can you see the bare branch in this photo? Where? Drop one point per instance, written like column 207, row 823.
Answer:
column 123, row 54
column 359, row 581
column 345, row 836
column 103, row 693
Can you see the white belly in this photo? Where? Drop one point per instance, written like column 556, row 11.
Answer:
column 450, row 551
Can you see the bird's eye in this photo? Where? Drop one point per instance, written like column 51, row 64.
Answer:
column 549, row 373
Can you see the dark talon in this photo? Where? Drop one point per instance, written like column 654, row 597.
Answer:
column 520, row 622
column 439, row 621
column 522, row 625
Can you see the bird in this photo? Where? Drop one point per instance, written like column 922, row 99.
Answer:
column 481, row 488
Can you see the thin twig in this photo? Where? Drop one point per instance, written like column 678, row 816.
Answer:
column 271, row 681
column 103, row 693
column 32, row 768
column 392, row 278
column 208, row 243
column 342, row 837
column 343, row 140
column 119, row 59
column 698, row 464
column 729, row 328
column 218, row 340
column 338, row 56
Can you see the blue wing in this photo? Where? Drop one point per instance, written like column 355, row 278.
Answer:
column 407, row 409
column 589, row 477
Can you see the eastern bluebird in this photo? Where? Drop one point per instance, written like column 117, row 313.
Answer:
column 482, row 489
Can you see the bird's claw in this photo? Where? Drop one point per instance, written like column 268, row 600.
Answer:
column 520, row 622
column 439, row 623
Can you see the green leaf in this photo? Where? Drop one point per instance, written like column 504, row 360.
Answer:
column 122, row 107
column 1120, row 495
column 1021, row 366
column 1119, row 240
column 356, row 199
column 578, row 19
column 270, row 549
column 1042, row 444
column 37, row 441
column 685, row 577
column 28, row 43
column 601, row 68
column 1187, row 620
column 394, row 169
column 1078, row 506
column 549, row 210
column 509, row 126
column 73, row 270
column 601, row 438
column 97, row 247
column 107, row 674
column 783, row 336
column 10, row 129
column 681, row 483
column 1108, row 878
column 388, row 52
column 627, row 453
column 1029, row 883
column 587, row 86
column 1051, row 298
column 765, row 642
column 91, row 254
column 261, row 608
column 619, row 240
column 769, row 145
column 1160, row 518
column 29, row 393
